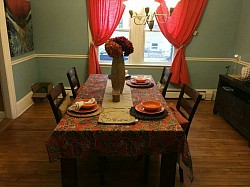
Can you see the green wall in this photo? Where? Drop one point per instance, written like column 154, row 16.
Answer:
column 51, row 70
column 217, row 30
column 25, row 74
column 61, row 27
column 243, row 38
column 217, row 37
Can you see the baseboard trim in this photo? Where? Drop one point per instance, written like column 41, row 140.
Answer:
column 24, row 103
column 68, row 90
column 207, row 94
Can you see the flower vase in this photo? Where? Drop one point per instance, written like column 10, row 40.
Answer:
column 117, row 77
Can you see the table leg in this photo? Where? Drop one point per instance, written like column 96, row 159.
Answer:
column 69, row 172
column 168, row 169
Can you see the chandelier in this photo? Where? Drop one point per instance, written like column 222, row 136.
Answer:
column 143, row 11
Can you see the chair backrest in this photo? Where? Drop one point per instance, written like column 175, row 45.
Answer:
column 56, row 97
column 73, row 81
column 165, row 79
column 187, row 103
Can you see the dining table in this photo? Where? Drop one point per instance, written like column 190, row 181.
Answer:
column 118, row 129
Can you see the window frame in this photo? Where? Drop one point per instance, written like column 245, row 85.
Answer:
column 137, row 59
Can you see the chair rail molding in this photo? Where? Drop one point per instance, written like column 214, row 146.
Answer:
column 23, row 59
column 61, row 56
column 75, row 56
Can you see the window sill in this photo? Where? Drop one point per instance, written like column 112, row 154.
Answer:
column 168, row 64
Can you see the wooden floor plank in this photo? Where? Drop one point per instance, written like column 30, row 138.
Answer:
column 221, row 156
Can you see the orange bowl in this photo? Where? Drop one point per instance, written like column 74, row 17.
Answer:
column 88, row 105
column 151, row 105
column 140, row 79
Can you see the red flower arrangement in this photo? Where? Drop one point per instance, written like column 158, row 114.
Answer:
column 119, row 46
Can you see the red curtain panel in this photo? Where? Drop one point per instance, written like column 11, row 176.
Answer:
column 104, row 16
column 179, row 31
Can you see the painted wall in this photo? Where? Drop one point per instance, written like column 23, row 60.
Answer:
column 54, row 70
column 60, row 27
column 243, row 37
column 217, row 34
column 25, row 74
column 217, row 30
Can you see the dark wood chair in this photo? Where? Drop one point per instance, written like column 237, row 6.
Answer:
column 165, row 80
column 56, row 98
column 186, row 106
column 59, row 102
column 73, row 81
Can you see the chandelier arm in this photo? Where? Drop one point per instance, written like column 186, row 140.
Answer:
column 143, row 22
column 162, row 15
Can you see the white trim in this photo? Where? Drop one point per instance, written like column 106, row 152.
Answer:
column 24, row 103
column 207, row 94
column 244, row 63
column 20, row 60
column 23, row 59
column 7, row 80
column 61, row 56
column 209, row 59
column 199, row 59
column 68, row 90
column 141, row 66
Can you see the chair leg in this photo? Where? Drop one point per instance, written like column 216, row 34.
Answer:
column 181, row 174
column 145, row 169
column 102, row 168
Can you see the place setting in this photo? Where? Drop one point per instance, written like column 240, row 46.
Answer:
column 140, row 81
column 84, row 108
column 149, row 110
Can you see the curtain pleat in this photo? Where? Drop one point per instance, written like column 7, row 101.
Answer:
column 179, row 31
column 104, row 16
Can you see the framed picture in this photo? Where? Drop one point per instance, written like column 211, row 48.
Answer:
column 19, row 25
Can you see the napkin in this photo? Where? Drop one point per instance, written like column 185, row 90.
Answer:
column 77, row 105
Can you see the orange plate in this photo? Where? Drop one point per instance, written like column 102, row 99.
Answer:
column 140, row 79
column 85, row 111
column 140, row 108
column 133, row 81
column 88, row 105
column 151, row 105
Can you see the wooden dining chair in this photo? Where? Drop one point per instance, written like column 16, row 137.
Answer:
column 73, row 81
column 184, row 112
column 59, row 101
column 165, row 80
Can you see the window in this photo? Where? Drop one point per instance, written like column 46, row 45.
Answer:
column 157, row 49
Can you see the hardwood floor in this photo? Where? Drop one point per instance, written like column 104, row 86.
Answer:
column 221, row 156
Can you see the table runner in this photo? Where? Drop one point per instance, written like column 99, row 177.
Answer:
column 116, row 112
column 125, row 97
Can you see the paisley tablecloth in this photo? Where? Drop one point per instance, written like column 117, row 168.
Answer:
column 84, row 137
